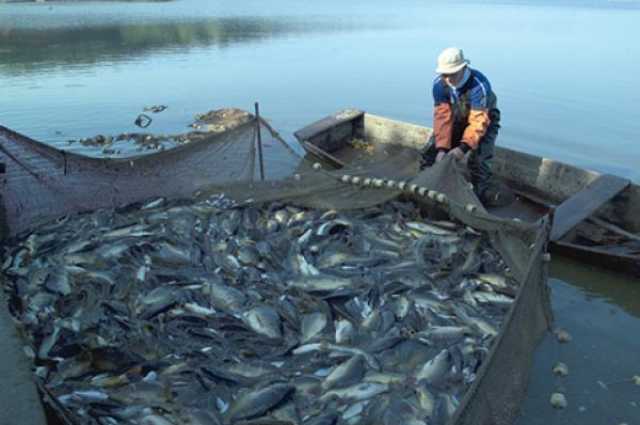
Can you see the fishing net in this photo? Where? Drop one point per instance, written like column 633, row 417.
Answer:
column 42, row 184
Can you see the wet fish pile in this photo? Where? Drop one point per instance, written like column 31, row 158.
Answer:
column 216, row 121
column 213, row 313
column 122, row 143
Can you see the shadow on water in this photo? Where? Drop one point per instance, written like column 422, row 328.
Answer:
column 26, row 50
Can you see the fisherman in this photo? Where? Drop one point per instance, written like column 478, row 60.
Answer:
column 465, row 119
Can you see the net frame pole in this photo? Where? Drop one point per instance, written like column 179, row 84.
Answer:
column 260, row 159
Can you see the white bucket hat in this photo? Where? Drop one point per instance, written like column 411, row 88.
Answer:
column 451, row 60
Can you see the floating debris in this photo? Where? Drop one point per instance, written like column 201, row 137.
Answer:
column 635, row 379
column 561, row 369
column 143, row 121
column 558, row 401
column 563, row 336
column 225, row 313
column 155, row 108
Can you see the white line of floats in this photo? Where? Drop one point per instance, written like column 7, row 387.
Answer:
column 407, row 188
column 401, row 185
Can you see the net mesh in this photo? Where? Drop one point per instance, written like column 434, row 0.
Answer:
column 42, row 183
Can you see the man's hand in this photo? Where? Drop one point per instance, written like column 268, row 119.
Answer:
column 440, row 155
column 457, row 153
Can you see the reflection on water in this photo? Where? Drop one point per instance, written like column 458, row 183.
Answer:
column 38, row 50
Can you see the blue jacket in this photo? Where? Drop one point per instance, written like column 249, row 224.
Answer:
column 468, row 106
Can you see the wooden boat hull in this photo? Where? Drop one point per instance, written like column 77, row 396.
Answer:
column 608, row 237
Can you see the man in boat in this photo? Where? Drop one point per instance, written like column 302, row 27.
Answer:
column 465, row 119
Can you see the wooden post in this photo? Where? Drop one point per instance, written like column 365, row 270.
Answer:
column 259, row 141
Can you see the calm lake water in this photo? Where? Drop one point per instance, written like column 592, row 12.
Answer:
column 565, row 73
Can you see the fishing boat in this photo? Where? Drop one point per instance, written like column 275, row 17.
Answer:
column 596, row 215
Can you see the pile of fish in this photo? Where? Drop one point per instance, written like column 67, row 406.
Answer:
column 209, row 312
column 123, row 144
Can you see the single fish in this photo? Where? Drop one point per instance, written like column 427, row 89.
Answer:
column 312, row 325
column 345, row 331
column 223, row 296
column 320, row 283
column 435, row 369
column 264, row 320
column 255, row 403
column 481, row 325
column 333, row 226
column 492, row 298
column 57, row 281
column 387, row 378
column 136, row 230
column 361, row 391
column 349, row 372
column 426, row 398
column 443, row 334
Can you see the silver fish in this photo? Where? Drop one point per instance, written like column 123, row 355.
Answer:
column 492, row 298
column 333, row 226
column 426, row 399
column 349, row 372
column 256, row 403
column 434, row 369
column 427, row 228
column 475, row 322
column 264, row 320
column 223, row 296
column 320, row 283
column 58, row 281
column 136, row 230
column 361, row 391
column 345, row 331
column 443, row 333
column 312, row 325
